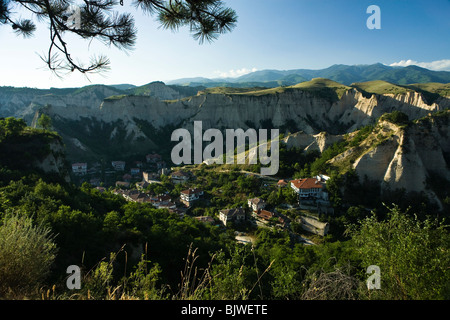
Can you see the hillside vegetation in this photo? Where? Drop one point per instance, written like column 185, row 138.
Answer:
column 131, row 250
column 381, row 87
column 333, row 91
column 395, row 156
column 320, row 87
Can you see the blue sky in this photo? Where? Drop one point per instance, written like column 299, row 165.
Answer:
column 270, row 34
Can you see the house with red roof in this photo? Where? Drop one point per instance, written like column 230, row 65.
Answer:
column 190, row 195
column 308, row 188
column 265, row 215
column 282, row 183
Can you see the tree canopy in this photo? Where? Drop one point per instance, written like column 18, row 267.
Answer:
column 45, row 122
column 105, row 21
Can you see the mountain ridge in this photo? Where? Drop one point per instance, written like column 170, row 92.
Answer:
column 345, row 74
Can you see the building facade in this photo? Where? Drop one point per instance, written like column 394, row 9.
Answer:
column 308, row 188
column 79, row 168
column 189, row 196
column 232, row 215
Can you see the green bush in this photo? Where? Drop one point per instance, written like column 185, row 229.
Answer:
column 27, row 252
column 396, row 117
column 412, row 255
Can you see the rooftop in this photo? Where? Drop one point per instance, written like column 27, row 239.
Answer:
column 257, row 201
column 307, row 183
column 232, row 212
column 180, row 174
column 191, row 191
column 265, row 214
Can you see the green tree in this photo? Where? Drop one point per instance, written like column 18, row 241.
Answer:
column 111, row 222
column 396, row 117
column 289, row 195
column 11, row 127
column 45, row 122
column 334, row 189
column 275, row 198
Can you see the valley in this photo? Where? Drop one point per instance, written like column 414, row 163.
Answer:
column 100, row 124
column 104, row 168
column 224, row 158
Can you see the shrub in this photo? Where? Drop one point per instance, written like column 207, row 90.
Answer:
column 412, row 254
column 27, row 252
column 396, row 117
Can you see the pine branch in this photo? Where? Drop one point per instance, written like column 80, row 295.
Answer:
column 99, row 19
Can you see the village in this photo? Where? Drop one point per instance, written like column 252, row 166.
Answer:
column 133, row 186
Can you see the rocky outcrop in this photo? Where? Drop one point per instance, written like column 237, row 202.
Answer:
column 54, row 161
column 374, row 163
column 408, row 156
column 311, row 113
column 308, row 142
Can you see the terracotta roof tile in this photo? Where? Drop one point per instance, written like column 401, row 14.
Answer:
column 308, row 183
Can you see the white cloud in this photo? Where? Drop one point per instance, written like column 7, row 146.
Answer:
column 235, row 73
column 438, row 65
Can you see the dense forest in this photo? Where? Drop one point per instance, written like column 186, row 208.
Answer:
column 133, row 251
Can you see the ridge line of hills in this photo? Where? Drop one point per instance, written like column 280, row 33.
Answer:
column 431, row 91
column 344, row 74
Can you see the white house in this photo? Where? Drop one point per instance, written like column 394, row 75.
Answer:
column 256, row 204
column 190, row 195
column 234, row 215
column 309, row 188
column 79, row 168
column 322, row 178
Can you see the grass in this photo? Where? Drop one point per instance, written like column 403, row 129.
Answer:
column 319, row 87
column 324, row 88
column 117, row 97
column 230, row 90
column 381, row 87
column 442, row 89
column 319, row 82
column 430, row 91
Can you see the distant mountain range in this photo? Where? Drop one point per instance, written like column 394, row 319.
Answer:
column 344, row 74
